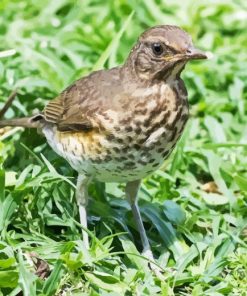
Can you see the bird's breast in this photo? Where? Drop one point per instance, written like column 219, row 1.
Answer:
column 127, row 145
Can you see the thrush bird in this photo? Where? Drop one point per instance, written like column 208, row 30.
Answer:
column 119, row 125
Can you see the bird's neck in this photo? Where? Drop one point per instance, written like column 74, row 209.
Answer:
column 173, row 73
column 166, row 75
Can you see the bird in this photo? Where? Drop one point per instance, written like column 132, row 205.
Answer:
column 120, row 124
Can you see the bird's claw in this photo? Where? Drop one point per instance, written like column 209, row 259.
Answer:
column 153, row 267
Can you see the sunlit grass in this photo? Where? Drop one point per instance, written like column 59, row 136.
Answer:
column 194, row 208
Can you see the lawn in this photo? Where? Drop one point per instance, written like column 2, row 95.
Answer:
column 194, row 208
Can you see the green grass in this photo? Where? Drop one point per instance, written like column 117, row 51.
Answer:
column 199, row 237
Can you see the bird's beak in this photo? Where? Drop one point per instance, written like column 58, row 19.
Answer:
column 192, row 53
column 195, row 54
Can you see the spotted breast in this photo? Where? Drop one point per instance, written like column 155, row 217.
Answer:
column 130, row 144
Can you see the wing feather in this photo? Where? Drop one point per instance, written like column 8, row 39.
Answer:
column 66, row 113
column 76, row 107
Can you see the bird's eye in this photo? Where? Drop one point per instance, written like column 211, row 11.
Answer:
column 157, row 49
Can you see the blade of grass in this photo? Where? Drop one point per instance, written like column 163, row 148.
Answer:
column 113, row 44
column 27, row 280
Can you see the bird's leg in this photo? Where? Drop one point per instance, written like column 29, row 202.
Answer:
column 82, row 200
column 131, row 194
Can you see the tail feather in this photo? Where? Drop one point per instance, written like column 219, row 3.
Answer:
column 29, row 122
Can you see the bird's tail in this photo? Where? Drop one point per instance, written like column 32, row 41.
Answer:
column 29, row 122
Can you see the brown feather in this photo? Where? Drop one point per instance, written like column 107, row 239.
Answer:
column 77, row 106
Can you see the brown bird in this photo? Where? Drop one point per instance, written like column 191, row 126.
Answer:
column 119, row 125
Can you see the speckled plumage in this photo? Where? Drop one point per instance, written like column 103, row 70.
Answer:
column 119, row 125
column 124, row 144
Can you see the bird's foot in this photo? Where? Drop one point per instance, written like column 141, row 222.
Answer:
column 155, row 268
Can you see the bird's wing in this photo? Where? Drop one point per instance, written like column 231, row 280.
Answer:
column 69, row 111
column 66, row 114
column 76, row 108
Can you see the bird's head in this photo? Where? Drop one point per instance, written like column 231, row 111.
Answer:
column 162, row 52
